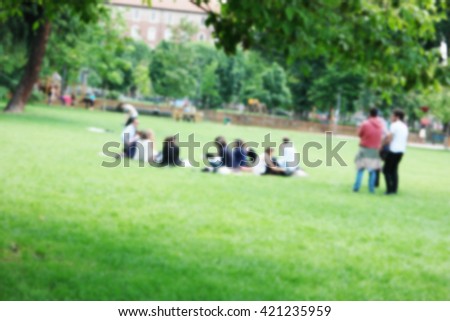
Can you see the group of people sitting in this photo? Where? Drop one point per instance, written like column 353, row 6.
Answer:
column 224, row 158
column 237, row 157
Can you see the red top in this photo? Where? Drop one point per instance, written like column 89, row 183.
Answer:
column 371, row 132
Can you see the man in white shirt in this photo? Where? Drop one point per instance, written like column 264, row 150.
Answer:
column 397, row 138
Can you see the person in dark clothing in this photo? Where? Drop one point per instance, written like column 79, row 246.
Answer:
column 239, row 157
column 397, row 140
column 224, row 152
column 222, row 158
column 271, row 164
column 252, row 158
column 171, row 153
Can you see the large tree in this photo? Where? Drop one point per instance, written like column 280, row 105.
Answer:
column 385, row 38
column 36, row 18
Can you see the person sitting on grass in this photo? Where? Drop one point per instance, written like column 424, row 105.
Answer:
column 289, row 159
column 368, row 157
column 268, row 165
column 171, row 153
column 252, row 158
column 222, row 159
column 129, row 138
column 239, row 156
column 145, row 147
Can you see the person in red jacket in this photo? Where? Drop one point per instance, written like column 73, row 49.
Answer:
column 368, row 158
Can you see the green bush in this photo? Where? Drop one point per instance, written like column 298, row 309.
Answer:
column 36, row 96
column 113, row 95
column 3, row 93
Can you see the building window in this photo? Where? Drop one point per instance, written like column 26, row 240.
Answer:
column 167, row 34
column 151, row 34
column 154, row 15
column 168, row 17
column 136, row 14
column 135, row 33
column 174, row 19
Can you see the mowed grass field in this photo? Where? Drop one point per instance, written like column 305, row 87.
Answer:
column 74, row 230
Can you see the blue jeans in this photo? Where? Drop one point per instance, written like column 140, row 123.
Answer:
column 359, row 177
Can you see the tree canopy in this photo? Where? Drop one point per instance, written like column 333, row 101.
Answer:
column 383, row 37
column 302, row 54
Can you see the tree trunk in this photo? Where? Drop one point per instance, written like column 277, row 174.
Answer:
column 32, row 69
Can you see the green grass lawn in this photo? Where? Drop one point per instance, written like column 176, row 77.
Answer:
column 74, row 230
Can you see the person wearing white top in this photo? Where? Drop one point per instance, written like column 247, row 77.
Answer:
column 129, row 138
column 287, row 158
column 397, row 139
column 145, row 148
column 132, row 113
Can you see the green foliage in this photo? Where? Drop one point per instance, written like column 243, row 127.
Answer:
column 49, row 10
column 334, row 85
column 37, row 97
column 439, row 103
column 383, row 38
column 231, row 73
column 171, row 71
column 15, row 34
column 3, row 93
column 276, row 94
column 141, row 79
column 184, row 31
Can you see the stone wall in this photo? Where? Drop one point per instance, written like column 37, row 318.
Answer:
column 278, row 122
column 258, row 120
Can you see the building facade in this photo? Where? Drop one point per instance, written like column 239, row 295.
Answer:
column 154, row 24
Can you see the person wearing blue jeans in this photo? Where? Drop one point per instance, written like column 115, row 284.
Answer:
column 359, row 177
column 368, row 158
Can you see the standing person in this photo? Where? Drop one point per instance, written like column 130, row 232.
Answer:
column 74, row 98
column 89, row 100
column 92, row 99
column 51, row 95
column 129, row 138
column 397, row 139
column 368, row 158
column 131, row 111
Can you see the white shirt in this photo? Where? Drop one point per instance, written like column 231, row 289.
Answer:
column 287, row 159
column 260, row 167
column 399, row 132
column 130, row 110
column 128, row 134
